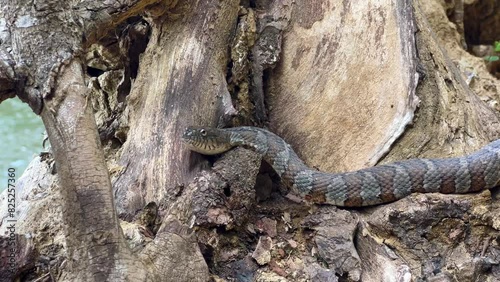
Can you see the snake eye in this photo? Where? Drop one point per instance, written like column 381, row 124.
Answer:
column 203, row 132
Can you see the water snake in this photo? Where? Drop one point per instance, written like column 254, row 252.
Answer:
column 365, row 187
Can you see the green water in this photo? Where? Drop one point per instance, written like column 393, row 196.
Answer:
column 21, row 136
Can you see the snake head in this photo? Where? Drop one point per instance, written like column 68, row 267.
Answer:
column 207, row 140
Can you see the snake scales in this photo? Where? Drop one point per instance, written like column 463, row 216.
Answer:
column 364, row 187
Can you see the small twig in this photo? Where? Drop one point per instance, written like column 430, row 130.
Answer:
column 485, row 245
column 43, row 277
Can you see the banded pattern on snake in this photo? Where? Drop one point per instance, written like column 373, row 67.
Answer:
column 364, row 187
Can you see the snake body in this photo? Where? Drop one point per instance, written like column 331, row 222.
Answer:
column 365, row 187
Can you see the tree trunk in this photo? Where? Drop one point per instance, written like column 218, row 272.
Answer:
column 126, row 201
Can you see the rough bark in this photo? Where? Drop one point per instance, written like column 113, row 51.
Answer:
column 7, row 79
column 451, row 242
column 53, row 83
column 451, row 120
column 186, row 61
column 88, row 204
column 317, row 72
